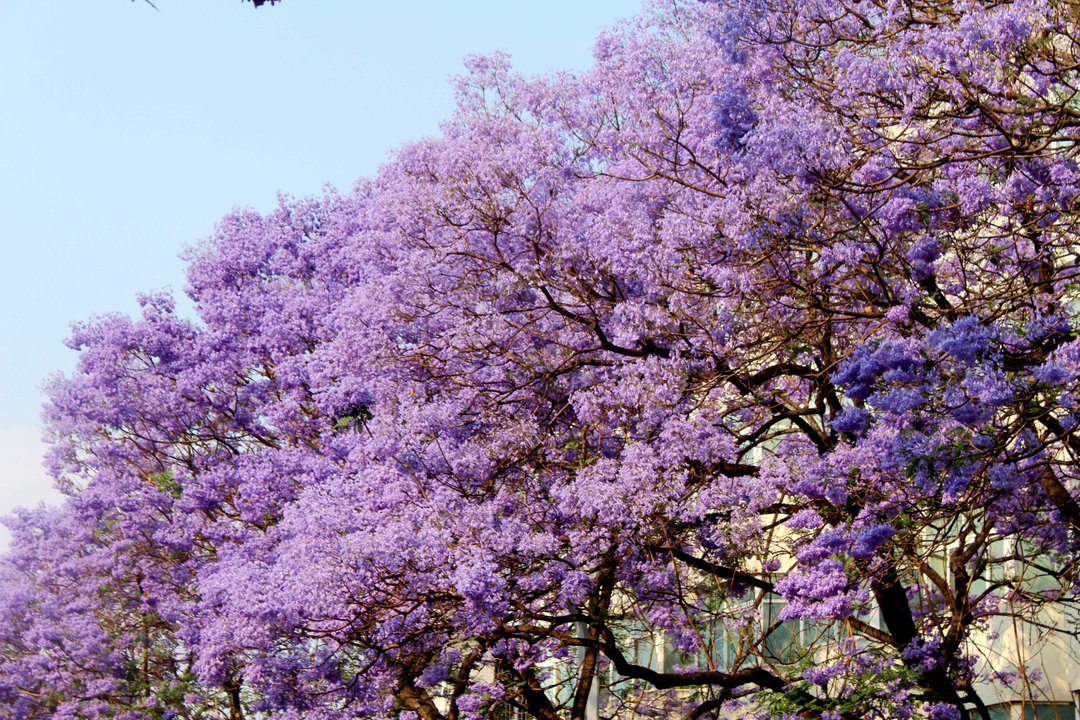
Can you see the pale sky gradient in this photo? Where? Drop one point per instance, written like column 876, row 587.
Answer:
column 125, row 133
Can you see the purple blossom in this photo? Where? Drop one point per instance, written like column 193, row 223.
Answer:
column 966, row 339
column 578, row 364
column 852, row 420
column 870, row 539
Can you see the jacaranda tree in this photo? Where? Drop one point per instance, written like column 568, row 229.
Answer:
column 738, row 376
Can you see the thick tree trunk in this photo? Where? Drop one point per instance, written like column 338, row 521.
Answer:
column 417, row 700
column 896, row 614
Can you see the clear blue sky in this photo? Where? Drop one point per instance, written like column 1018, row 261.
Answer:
column 125, row 133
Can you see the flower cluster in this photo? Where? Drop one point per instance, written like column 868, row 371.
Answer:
column 677, row 377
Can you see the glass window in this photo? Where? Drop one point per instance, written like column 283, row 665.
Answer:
column 1049, row 711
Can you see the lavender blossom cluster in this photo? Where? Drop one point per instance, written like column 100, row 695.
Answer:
column 734, row 377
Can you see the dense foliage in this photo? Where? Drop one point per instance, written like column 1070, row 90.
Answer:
column 739, row 374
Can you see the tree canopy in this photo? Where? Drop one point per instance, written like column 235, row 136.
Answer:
column 737, row 375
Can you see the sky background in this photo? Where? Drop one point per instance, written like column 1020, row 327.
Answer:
column 126, row 133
